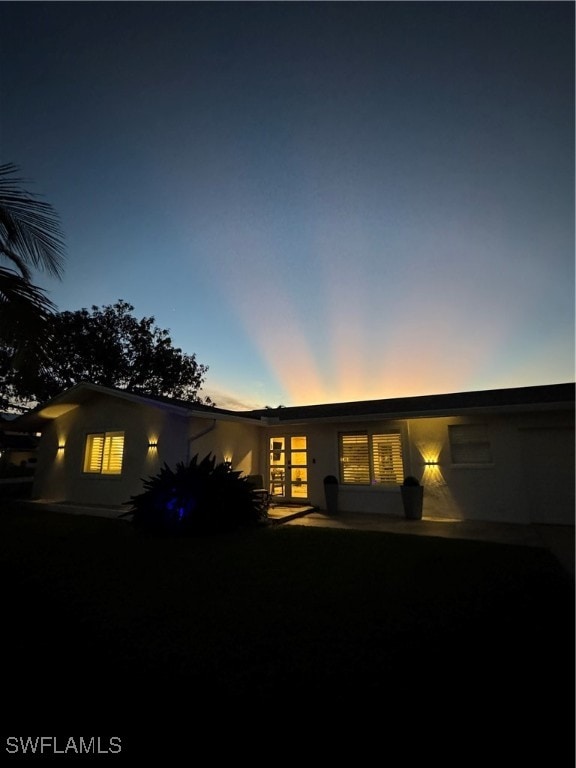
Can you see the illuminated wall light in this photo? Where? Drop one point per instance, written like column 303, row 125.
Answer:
column 61, row 446
column 430, row 452
column 153, row 445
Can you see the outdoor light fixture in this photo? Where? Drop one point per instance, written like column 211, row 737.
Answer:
column 61, row 447
column 431, row 463
column 153, row 444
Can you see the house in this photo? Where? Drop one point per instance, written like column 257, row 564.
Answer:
column 17, row 459
column 17, row 449
column 502, row 455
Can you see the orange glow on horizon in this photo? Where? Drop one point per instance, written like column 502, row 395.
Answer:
column 409, row 343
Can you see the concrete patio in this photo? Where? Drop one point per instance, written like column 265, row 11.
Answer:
column 558, row 539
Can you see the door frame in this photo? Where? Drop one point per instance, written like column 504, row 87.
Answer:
column 286, row 449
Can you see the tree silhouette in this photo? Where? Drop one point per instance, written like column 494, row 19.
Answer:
column 108, row 346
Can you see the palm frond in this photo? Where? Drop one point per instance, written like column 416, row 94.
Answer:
column 30, row 230
column 24, row 310
column 17, row 261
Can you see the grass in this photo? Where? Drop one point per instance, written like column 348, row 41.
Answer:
column 314, row 617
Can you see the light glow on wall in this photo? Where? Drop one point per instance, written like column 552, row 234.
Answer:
column 433, row 475
column 430, row 453
column 240, row 460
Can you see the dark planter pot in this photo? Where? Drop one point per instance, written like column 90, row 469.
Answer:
column 412, row 499
column 331, row 495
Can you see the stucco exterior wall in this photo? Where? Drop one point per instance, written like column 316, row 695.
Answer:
column 460, row 491
column 529, row 479
column 232, row 441
column 60, row 475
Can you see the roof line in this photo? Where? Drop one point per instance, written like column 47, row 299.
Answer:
column 516, row 397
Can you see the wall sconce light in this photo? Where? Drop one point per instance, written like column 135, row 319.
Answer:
column 431, row 463
column 153, row 444
column 228, row 464
column 61, row 447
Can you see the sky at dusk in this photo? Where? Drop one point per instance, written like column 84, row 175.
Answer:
column 324, row 201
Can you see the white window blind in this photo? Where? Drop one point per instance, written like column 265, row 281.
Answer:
column 94, row 452
column 469, row 444
column 354, row 459
column 113, row 453
column 366, row 459
column 387, row 458
column 104, row 453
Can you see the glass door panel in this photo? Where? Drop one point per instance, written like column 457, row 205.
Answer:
column 277, row 451
column 277, row 466
column 299, row 482
column 289, row 467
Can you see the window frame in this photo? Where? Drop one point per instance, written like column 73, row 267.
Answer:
column 88, row 450
column 371, row 445
column 480, row 442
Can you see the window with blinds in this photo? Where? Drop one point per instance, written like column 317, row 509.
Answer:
column 104, row 453
column 387, row 458
column 354, row 459
column 469, row 444
column 371, row 459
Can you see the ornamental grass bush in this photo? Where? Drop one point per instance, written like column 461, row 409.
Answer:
column 199, row 497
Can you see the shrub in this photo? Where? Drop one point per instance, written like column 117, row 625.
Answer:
column 198, row 497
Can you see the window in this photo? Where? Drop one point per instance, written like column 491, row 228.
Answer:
column 387, row 458
column 354, row 459
column 366, row 459
column 469, row 444
column 104, row 453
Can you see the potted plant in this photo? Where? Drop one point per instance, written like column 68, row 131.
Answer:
column 412, row 497
column 331, row 494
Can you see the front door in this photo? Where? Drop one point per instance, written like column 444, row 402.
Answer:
column 289, row 468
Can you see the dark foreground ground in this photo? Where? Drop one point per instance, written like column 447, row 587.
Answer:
column 285, row 643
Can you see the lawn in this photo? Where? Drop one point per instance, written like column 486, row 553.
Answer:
column 310, row 617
